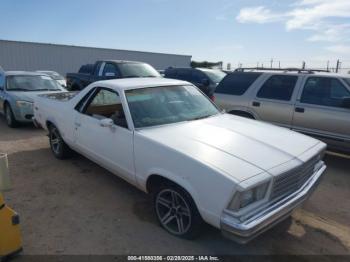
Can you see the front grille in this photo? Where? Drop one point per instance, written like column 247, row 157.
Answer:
column 293, row 180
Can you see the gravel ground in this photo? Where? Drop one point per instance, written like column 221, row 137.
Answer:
column 76, row 207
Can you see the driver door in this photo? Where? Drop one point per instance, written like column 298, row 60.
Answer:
column 319, row 110
column 111, row 146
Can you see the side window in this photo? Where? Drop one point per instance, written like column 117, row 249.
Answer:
column 110, row 70
column 324, row 91
column 106, row 104
column 236, row 83
column 197, row 76
column 184, row 74
column 278, row 87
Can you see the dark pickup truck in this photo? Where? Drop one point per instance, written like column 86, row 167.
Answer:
column 109, row 69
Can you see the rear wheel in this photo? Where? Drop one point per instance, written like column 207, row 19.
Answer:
column 58, row 147
column 10, row 118
column 177, row 212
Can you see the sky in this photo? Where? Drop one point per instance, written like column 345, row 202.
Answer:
column 235, row 31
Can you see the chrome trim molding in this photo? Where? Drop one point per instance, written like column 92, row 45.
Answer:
column 245, row 231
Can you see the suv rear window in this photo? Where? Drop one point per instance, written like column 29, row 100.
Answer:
column 278, row 87
column 236, row 83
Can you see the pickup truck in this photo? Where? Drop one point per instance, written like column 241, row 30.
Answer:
column 200, row 165
column 108, row 69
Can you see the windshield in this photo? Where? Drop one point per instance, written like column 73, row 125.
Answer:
column 168, row 104
column 215, row 75
column 347, row 80
column 138, row 70
column 31, row 83
column 54, row 75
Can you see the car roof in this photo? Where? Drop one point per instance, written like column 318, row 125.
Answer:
column 136, row 83
column 45, row 71
column 13, row 73
column 191, row 68
column 122, row 62
column 280, row 72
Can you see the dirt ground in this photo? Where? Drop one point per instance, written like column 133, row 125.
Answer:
column 76, row 207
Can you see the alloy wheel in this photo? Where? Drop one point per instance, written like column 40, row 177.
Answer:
column 173, row 212
column 55, row 139
column 8, row 116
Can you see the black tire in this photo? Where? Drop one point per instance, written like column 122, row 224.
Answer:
column 176, row 211
column 10, row 117
column 58, row 147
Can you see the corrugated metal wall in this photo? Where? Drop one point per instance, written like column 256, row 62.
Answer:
column 63, row 59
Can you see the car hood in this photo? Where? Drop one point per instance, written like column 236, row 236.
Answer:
column 227, row 142
column 29, row 96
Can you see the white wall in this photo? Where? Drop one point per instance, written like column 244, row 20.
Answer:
column 65, row 59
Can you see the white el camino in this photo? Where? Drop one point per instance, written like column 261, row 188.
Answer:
column 200, row 165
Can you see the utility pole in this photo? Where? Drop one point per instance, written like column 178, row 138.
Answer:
column 279, row 64
column 271, row 62
column 337, row 66
column 328, row 65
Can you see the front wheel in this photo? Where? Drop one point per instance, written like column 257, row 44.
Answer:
column 58, row 147
column 177, row 212
column 10, row 117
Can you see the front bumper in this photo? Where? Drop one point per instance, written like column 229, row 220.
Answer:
column 243, row 232
column 24, row 114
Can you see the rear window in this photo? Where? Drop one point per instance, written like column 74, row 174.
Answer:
column 237, row 83
column 86, row 69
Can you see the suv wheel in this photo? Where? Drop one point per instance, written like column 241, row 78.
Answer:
column 58, row 147
column 177, row 212
column 10, row 118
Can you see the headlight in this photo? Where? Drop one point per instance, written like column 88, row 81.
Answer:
column 245, row 198
column 24, row 104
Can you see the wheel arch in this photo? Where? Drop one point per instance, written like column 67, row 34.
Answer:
column 243, row 113
column 156, row 179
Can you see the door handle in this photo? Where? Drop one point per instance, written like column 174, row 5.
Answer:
column 256, row 104
column 299, row 110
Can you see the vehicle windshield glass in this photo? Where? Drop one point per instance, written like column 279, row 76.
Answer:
column 55, row 75
column 347, row 80
column 31, row 83
column 168, row 104
column 137, row 70
column 215, row 75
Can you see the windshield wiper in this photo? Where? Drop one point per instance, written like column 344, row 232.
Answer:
column 18, row 89
column 45, row 89
column 131, row 76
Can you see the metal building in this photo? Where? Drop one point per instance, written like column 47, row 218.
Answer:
column 28, row 56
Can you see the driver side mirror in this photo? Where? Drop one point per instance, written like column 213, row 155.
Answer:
column 346, row 102
column 5, row 183
column 106, row 122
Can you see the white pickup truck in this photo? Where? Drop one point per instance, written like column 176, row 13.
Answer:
column 200, row 165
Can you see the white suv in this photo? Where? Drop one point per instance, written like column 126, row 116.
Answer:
column 311, row 102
